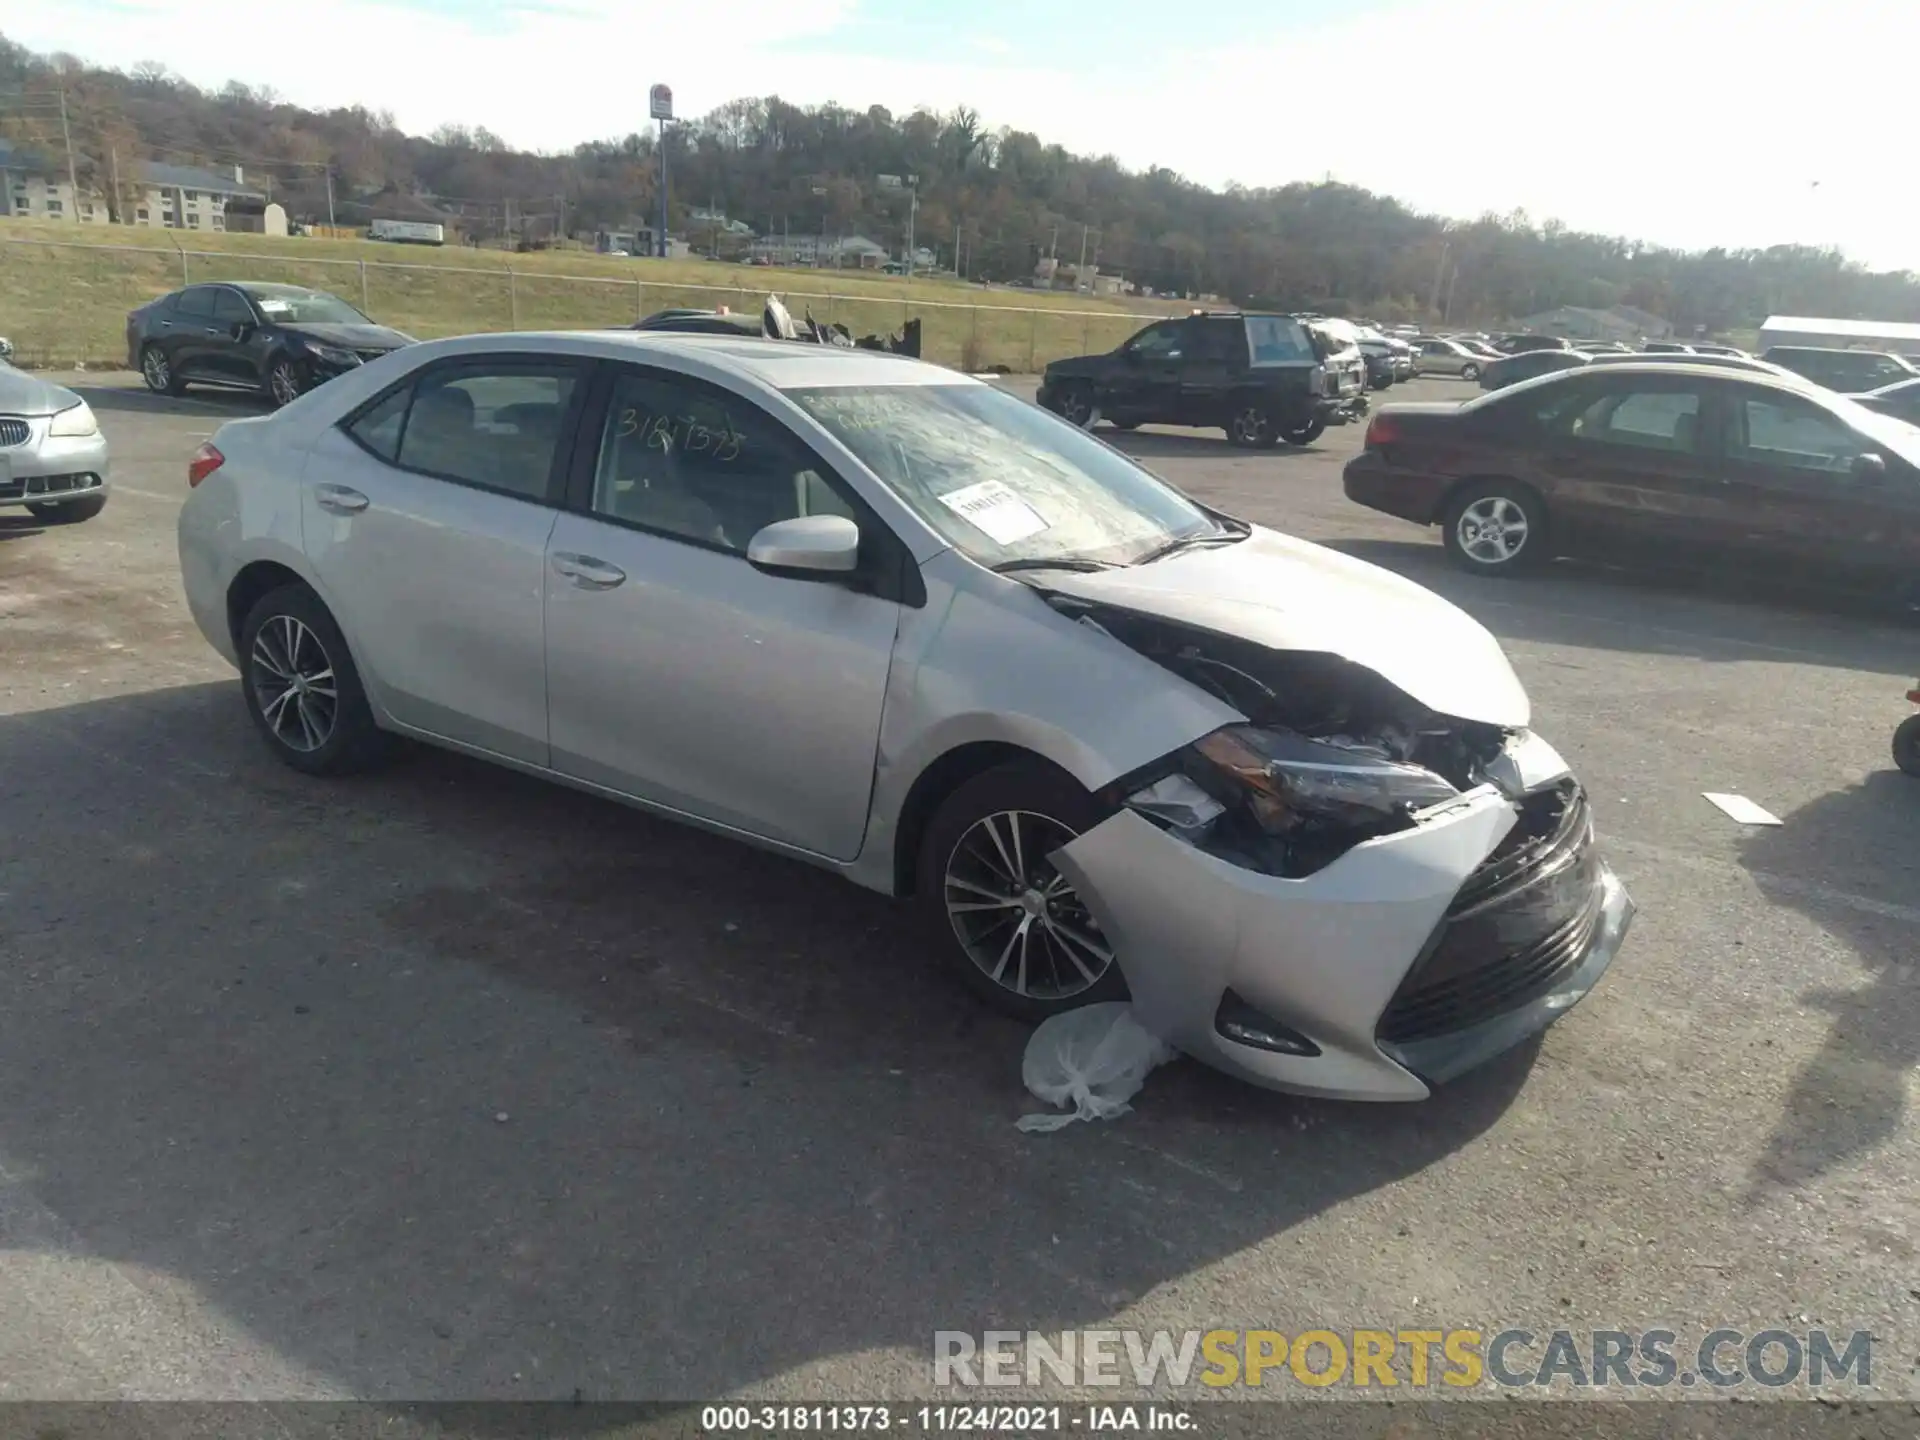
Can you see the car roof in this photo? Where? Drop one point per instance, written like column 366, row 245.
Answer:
column 776, row 364
column 1827, row 350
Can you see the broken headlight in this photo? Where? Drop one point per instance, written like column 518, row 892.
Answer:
column 1284, row 804
column 1290, row 781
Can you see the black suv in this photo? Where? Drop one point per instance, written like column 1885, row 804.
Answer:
column 1262, row 378
column 277, row 339
column 1850, row 372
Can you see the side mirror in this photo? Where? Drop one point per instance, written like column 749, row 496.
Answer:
column 241, row 330
column 1870, row 469
column 808, row 547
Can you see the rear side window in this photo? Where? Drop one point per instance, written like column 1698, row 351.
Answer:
column 378, row 429
column 499, row 429
column 1786, row 431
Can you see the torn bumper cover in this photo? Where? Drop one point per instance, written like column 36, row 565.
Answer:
column 1400, row 963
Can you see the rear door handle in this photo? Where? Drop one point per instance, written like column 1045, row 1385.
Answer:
column 340, row 499
column 588, row 572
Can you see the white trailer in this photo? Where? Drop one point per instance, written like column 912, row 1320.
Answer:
column 407, row 232
column 1895, row 336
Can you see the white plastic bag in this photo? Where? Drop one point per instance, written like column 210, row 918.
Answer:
column 1094, row 1059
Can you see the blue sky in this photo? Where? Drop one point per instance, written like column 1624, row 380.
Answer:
column 1674, row 121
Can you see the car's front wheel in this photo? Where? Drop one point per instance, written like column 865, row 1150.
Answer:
column 1497, row 527
column 1077, row 407
column 1305, row 434
column 1906, row 745
column 158, row 372
column 302, row 688
column 284, row 382
column 1010, row 925
column 68, row 512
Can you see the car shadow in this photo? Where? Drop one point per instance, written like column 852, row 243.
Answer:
column 129, row 400
column 450, row 1083
column 20, row 526
column 1729, row 617
column 1166, row 444
column 1852, row 1095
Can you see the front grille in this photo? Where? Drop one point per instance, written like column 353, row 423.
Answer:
column 14, row 432
column 1524, row 919
column 26, row 487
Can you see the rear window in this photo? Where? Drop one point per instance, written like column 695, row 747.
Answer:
column 1277, row 340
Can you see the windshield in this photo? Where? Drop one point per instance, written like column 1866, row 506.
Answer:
column 1896, row 434
column 288, row 306
column 1003, row 480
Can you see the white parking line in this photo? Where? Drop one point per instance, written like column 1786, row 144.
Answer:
column 146, row 494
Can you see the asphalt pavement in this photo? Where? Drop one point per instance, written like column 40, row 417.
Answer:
column 444, row 1083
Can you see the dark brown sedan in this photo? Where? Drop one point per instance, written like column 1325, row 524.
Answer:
column 1655, row 460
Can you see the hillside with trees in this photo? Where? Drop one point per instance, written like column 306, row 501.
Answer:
column 1001, row 198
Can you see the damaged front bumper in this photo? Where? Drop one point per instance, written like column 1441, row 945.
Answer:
column 1410, row 959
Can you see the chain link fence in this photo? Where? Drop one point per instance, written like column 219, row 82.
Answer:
column 64, row 303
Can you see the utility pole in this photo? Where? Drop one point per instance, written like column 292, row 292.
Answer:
column 113, row 179
column 913, row 213
column 1080, row 270
column 661, row 249
column 330, row 220
column 73, row 180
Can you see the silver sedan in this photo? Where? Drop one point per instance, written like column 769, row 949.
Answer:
column 1447, row 357
column 902, row 625
column 53, row 458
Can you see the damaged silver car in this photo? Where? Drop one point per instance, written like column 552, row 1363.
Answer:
column 900, row 624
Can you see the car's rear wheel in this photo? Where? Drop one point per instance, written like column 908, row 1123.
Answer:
column 68, row 512
column 158, row 372
column 1077, row 407
column 1906, row 745
column 1010, row 926
column 302, row 688
column 1497, row 527
column 1252, row 425
column 1305, row 434
column 284, row 382
column 1469, row 372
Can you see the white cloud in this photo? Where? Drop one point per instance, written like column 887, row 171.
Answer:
column 1690, row 122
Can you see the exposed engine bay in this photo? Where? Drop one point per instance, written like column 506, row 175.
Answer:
column 1333, row 753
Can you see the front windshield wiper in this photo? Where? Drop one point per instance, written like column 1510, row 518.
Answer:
column 1192, row 542
column 1036, row 562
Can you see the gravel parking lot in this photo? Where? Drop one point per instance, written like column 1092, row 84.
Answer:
column 444, row 1083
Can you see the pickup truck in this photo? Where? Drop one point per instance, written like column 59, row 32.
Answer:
column 1263, row 378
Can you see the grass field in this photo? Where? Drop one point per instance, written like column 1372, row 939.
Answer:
column 65, row 291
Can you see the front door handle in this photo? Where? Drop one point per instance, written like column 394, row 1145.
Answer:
column 339, row 499
column 586, row 571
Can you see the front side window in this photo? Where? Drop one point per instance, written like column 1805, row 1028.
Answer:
column 1002, row 480
column 702, row 465
column 1157, row 342
column 230, row 308
column 1643, row 419
column 197, row 302
column 495, row 428
column 1790, row 433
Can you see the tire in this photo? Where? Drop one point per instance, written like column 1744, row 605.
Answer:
column 1077, row 407
column 314, row 733
column 1906, row 745
column 1485, row 507
column 1124, row 424
column 1469, row 372
column 968, row 858
column 158, row 372
column 68, row 512
column 1305, row 434
column 1252, row 425
column 1383, row 383
column 285, row 384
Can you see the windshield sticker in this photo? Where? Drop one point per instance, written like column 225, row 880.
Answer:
column 994, row 510
column 274, row 307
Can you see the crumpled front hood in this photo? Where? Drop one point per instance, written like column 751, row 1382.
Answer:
column 1288, row 594
column 354, row 337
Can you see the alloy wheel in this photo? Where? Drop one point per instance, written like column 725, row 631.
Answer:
column 153, row 365
column 283, row 383
column 294, row 685
column 1492, row 530
column 1251, row 426
column 1076, row 408
column 1018, row 919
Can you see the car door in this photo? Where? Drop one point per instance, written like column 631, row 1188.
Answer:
column 233, row 340
column 187, row 334
column 1629, row 461
column 425, row 518
column 1146, row 385
column 1792, row 469
column 679, row 673
column 1212, row 362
